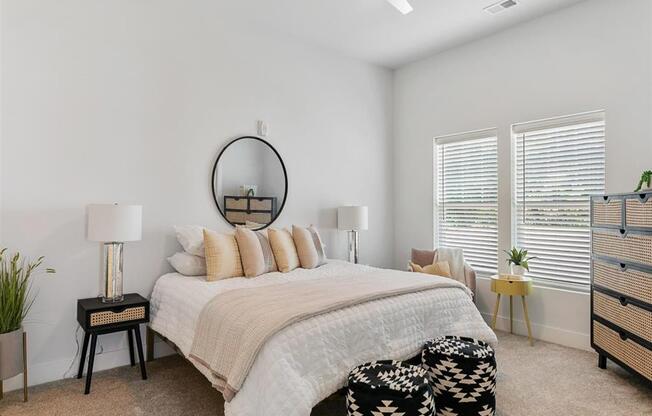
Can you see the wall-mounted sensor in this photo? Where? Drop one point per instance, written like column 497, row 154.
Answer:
column 263, row 129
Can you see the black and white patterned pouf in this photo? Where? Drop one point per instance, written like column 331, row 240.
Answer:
column 462, row 373
column 389, row 388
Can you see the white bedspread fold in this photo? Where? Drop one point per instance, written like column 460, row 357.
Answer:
column 235, row 325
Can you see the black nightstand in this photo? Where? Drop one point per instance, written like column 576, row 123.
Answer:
column 97, row 318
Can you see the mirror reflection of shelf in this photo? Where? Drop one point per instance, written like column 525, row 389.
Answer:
column 256, row 209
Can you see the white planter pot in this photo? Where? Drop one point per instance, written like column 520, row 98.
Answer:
column 11, row 354
column 518, row 270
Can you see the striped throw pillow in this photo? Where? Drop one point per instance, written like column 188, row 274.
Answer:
column 309, row 246
column 255, row 252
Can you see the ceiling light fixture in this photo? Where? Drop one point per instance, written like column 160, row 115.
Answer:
column 402, row 5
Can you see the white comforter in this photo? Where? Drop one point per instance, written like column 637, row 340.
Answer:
column 310, row 360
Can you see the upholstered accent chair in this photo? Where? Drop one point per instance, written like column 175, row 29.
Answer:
column 426, row 257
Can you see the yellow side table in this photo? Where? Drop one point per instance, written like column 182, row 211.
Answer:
column 517, row 286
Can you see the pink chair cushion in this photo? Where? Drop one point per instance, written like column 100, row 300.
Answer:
column 423, row 257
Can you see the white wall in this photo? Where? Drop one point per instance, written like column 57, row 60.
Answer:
column 595, row 55
column 130, row 101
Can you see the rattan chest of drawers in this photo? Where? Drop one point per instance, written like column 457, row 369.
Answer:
column 259, row 209
column 621, row 281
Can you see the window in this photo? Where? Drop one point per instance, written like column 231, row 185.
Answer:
column 466, row 197
column 558, row 164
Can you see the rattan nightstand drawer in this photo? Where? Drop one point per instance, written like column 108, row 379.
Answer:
column 606, row 211
column 109, row 317
column 629, row 317
column 625, row 350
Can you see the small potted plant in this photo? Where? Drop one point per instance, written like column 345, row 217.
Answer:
column 645, row 183
column 15, row 303
column 518, row 261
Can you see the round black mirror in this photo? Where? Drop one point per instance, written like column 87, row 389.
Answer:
column 249, row 183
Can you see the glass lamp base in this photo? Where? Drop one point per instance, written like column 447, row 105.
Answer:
column 117, row 299
column 354, row 242
column 112, row 292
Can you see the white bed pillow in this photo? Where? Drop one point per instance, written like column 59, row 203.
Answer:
column 191, row 238
column 187, row 264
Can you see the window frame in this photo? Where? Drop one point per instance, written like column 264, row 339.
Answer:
column 458, row 138
column 518, row 129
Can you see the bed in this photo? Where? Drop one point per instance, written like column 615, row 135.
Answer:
column 309, row 360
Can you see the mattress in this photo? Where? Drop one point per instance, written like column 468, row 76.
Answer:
column 310, row 360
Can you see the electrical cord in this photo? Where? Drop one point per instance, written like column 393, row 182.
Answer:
column 72, row 363
column 77, row 353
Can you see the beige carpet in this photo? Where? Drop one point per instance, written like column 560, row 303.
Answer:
column 546, row 379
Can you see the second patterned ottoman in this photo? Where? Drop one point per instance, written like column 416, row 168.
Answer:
column 462, row 373
column 389, row 388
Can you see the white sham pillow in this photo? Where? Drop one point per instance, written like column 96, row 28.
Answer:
column 187, row 264
column 191, row 238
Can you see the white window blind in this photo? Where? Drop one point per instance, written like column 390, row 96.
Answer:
column 466, row 198
column 559, row 163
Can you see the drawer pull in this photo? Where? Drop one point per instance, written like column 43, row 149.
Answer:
column 642, row 197
column 623, row 335
column 605, row 198
column 623, row 267
column 622, row 232
column 623, row 300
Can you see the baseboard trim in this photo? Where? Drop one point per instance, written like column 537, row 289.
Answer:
column 559, row 336
column 39, row 373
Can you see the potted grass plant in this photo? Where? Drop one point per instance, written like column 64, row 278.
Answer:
column 645, row 183
column 518, row 261
column 15, row 302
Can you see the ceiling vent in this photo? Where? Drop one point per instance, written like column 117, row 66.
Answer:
column 500, row 6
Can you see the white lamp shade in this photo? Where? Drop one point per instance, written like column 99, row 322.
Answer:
column 114, row 223
column 353, row 218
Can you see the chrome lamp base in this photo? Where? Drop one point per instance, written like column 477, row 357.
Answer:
column 354, row 242
column 113, row 273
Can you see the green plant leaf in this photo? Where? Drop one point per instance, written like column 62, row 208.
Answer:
column 16, row 298
column 518, row 257
column 646, row 179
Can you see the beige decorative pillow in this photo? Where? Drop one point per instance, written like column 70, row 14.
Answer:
column 255, row 252
column 284, row 249
column 222, row 256
column 309, row 247
column 441, row 268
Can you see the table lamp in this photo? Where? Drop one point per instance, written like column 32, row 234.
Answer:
column 353, row 219
column 113, row 225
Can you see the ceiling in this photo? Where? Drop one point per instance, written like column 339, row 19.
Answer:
column 374, row 31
